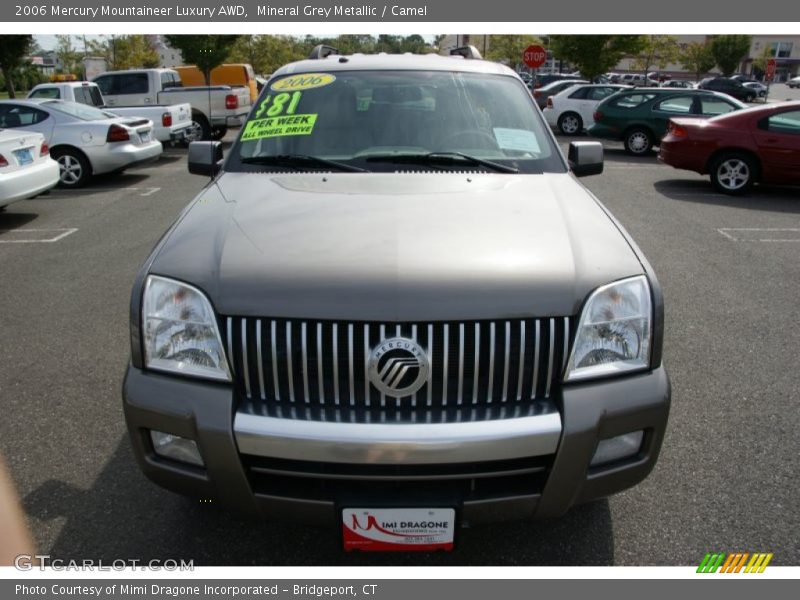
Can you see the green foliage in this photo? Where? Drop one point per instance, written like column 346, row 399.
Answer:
column 125, row 52
column 135, row 52
column 205, row 51
column 68, row 56
column 508, row 49
column 594, row 55
column 267, row 53
column 729, row 50
column 697, row 58
column 13, row 51
column 657, row 51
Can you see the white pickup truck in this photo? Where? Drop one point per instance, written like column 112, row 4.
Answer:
column 214, row 108
column 171, row 123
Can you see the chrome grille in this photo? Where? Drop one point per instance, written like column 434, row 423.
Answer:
column 323, row 364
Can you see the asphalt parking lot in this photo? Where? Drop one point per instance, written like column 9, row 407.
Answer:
column 727, row 479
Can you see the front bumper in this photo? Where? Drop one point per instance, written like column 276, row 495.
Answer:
column 551, row 116
column 606, row 132
column 377, row 459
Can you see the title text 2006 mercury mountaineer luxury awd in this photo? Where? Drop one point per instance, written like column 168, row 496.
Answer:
column 395, row 308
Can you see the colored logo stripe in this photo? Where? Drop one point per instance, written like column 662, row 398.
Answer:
column 734, row 562
column 711, row 562
column 758, row 563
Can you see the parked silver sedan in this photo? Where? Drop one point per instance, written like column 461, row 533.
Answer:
column 84, row 140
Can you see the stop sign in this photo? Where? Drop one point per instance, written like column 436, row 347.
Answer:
column 770, row 69
column 534, row 56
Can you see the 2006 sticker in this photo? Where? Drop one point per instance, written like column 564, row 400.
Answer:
column 279, row 126
column 306, row 81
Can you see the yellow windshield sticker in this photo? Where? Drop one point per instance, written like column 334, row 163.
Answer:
column 259, row 129
column 304, row 81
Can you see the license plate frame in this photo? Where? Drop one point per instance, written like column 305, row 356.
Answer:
column 398, row 529
column 144, row 137
column 24, row 156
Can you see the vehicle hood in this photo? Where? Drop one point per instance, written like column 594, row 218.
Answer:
column 396, row 247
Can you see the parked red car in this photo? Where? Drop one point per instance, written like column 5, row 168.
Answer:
column 740, row 148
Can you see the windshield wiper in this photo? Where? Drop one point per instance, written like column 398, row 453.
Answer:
column 447, row 156
column 297, row 161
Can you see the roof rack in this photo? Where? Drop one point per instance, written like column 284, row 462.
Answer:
column 466, row 52
column 322, row 51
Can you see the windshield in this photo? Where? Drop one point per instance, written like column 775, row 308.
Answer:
column 79, row 111
column 379, row 120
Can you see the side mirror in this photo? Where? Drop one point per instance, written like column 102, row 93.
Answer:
column 585, row 158
column 205, row 158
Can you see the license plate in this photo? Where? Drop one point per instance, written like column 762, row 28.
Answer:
column 398, row 529
column 144, row 136
column 24, row 156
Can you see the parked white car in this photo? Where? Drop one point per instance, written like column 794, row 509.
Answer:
column 638, row 80
column 794, row 82
column 26, row 169
column 757, row 87
column 572, row 110
column 85, row 141
column 171, row 122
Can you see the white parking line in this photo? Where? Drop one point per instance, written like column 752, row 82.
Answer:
column 60, row 235
column 146, row 191
column 609, row 165
column 761, row 234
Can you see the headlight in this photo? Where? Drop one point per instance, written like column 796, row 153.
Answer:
column 180, row 331
column 614, row 331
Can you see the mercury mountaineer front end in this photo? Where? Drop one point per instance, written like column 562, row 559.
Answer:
column 397, row 341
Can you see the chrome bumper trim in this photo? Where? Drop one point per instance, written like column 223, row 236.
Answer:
column 381, row 443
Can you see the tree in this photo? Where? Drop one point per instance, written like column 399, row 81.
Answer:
column 697, row 58
column 389, row 43
column 125, row 52
column 729, row 50
column 508, row 49
column 349, row 44
column 13, row 51
column 594, row 55
column 135, row 52
column 657, row 51
column 205, row 51
column 67, row 55
column 266, row 53
column 415, row 44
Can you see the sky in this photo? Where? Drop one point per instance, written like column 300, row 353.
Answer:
column 48, row 42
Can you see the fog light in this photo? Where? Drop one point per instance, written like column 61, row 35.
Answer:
column 176, row 448
column 617, row 448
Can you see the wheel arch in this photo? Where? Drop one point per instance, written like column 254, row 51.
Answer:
column 639, row 125
column 76, row 150
column 734, row 150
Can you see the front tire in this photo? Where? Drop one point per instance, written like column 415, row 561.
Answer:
column 570, row 123
column 638, row 141
column 74, row 169
column 733, row 173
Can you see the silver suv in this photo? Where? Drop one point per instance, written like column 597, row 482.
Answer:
column 396, row 310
